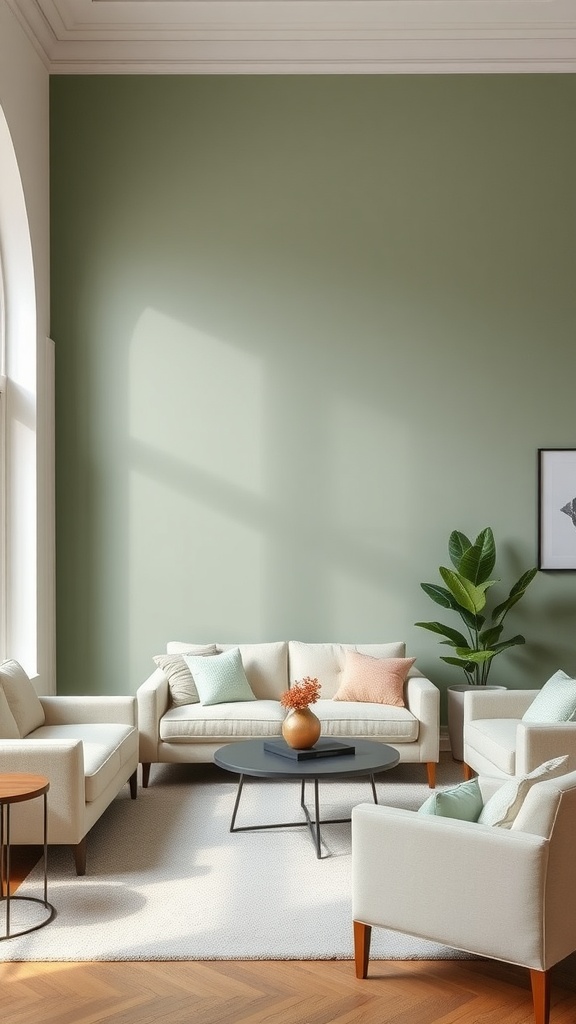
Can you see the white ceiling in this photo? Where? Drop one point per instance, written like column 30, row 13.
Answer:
column 301, row 36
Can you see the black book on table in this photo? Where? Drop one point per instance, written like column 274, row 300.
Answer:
column 324, row 747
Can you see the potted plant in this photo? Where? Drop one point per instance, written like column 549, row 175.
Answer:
column 466, row 591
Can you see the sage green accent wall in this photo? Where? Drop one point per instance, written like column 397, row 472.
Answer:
column 305, row 327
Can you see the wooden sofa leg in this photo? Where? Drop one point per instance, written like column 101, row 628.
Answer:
column 133, row 780
column 145, row 773
column 467, row 771
column 540, row 981
column 79, row 852
column 362, row 935
column 431, row 770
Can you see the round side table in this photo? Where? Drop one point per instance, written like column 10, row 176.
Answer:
column 14, row 788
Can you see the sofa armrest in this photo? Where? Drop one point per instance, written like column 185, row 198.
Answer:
column 153, row 702
column 79, row 710
column 537, row 742
column 482, row 703
column 400, row 881
column 62, row 761
column 423, row 701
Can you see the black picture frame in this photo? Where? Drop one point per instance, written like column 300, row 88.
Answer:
column 557, row 509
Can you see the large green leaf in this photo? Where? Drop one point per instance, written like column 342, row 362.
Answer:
column 514, row 596
column 468, row 666
column 513, row 642
column 454, row 637
column 478, row 561
column 477, row 657
column 457, row 545
column 440, row 595
column 474, row 622
column 489, row 637
column 468, row 596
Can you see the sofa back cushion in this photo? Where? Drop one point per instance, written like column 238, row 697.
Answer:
column 325, row 662
column 265, row 664
column 21, row 696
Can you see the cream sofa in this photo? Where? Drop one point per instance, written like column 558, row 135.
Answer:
column 193, row 732
column 86, row 746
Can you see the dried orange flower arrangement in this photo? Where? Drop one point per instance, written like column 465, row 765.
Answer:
column 301, row 694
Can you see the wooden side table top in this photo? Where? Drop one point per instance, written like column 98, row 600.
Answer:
column 18, row 786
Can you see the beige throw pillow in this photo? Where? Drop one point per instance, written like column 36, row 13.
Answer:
column 374, row 680
column 502, row 808
column 22, row 698
column 8, row 727
column 180, row 680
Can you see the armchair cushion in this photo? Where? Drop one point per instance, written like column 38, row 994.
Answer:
column 106, row 748
column 22, row 698
column 555, row 702
column 374, row 680
column 502, row 808
column 495, row 739
column 463, row 802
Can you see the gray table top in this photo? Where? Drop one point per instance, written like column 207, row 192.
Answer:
column 248, row 757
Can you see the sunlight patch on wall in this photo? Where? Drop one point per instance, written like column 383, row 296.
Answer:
column 197, row 399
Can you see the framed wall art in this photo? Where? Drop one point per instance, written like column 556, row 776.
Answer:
column 557, row 508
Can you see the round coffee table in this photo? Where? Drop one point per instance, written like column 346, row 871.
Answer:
column 249, row 757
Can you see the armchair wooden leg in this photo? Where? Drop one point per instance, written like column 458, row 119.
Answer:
column 431, row 770
column 79, row 852
column 145, row 773
column 362, row 935
column 540, row 981
column 467, row 771
column 133, row 780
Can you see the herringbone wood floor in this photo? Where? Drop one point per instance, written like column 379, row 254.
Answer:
column 276, row 992
column 273, row 992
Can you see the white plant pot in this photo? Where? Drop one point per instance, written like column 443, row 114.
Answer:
column 456, row 715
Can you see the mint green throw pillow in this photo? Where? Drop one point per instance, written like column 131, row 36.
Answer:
column 220, row 679
column 463, row 802
column 555, row 702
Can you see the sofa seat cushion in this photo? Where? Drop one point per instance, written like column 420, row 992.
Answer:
column 362, row 719
column 106, row 749
column 494, row 739
column 222, row 721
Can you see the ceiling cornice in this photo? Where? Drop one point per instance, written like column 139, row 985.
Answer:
column 301, row 36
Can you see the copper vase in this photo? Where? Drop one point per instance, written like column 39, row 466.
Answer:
column 301, row 728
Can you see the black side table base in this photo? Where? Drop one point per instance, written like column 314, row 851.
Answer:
column 312, row 823
column 9, row 899
column 24, row 931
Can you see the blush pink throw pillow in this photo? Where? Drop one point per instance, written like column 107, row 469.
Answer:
column 374, row 680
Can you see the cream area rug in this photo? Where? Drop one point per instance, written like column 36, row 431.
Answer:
column 166, row 880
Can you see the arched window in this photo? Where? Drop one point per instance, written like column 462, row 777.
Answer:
column 18, row 419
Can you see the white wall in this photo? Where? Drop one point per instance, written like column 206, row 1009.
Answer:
column 24, row 241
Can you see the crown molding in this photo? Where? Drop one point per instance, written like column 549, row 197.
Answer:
column 301, row 36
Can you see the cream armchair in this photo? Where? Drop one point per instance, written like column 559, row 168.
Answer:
column 86, row 746
column 498, row 743
column 507, row 894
